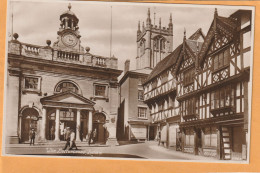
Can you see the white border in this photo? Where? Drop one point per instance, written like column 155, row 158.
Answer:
column 252, row 8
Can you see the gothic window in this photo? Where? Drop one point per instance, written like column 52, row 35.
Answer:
column 188, row 77
column 162, row 44
column 223, row 97
column 67, row 86
column 142, row 112
column 142, row 47
column 221, row 60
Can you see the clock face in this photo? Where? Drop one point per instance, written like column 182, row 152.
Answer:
column 69, row 40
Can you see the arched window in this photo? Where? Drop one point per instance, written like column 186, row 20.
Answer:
column 67, row 86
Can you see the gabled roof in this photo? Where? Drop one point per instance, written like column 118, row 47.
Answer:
column 164, row 64
column 172, row 59
column 219, row 25
column 68, row 98
column 197, row 34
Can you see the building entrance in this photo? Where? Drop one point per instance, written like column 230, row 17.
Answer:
column 30, row 118
column 99, row 121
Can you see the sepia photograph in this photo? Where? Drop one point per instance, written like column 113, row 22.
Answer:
column 135, row 81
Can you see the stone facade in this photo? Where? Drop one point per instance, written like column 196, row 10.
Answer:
column 50, row 88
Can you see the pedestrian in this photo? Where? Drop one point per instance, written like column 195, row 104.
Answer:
column 64, row 133
column 67, row 138
column 159, row 137
column 72, row 140
column 52, row 132
column 94, row 136
column 32, row 136
column 90, row 137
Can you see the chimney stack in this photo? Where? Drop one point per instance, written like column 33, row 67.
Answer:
column 127, row 65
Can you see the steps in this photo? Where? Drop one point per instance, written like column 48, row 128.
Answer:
column 226, row 143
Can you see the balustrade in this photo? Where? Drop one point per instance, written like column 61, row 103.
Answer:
column 68, row 56
column 31, row 49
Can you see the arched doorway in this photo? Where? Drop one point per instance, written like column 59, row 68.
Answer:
column 30, row 117
column 99, row 120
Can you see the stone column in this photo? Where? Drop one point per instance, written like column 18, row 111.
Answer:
column 89, row 122
column 78, row 126
column 43, row 125
column 57, row 125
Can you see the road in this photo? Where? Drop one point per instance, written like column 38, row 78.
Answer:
column 146, row 150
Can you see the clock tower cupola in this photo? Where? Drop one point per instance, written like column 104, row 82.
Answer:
column 68, row 34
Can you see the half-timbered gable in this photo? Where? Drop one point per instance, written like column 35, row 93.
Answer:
column 214, row 105
column 160, row 93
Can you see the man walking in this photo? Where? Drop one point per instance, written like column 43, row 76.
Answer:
column 72, row 140
column 32, row 136
column 67, row 138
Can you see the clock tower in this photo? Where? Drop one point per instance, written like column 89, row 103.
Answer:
column 68, row 34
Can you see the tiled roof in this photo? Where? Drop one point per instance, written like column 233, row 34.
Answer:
column 164, row 64
column 193, row 44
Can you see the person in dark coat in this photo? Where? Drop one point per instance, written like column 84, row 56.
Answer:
column 32, row 137
column 67, row 138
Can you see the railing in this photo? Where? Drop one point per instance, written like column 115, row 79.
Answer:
column 68, row 56
column 49, row 53
column 163, row 88
column 31, row 49
column 101, row 61
column 164, row 114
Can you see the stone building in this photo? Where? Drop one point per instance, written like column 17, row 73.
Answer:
column 53, row 87
column 153, row 44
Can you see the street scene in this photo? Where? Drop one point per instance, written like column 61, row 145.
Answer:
column 156, row 83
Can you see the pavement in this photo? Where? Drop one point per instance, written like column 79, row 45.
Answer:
column 145, row 150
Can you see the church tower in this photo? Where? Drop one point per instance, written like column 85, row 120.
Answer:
column 68, row 34
column 154, row 42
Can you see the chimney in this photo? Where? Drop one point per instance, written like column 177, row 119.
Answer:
column 127, row 65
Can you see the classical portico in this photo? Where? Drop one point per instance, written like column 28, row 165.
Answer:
column 66, row 109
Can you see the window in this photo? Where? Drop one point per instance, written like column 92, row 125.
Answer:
column 221, row 60
column 188, row 77
column 190, row 106
column 140, row 95
column 223, row 97
column 142, row 112
column 100, row 90
column 67, row 115
column 189, row 138
column 31, row 83
column 210, row 137
column 67, row 86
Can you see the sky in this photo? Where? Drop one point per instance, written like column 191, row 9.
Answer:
column 36, row 22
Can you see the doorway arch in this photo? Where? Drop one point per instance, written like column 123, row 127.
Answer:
column 30, row 117
column 99, row 120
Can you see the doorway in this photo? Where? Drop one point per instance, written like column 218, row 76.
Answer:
column 30, row 118
column 99, row 121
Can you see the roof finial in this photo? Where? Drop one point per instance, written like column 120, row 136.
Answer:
column 184, row 32
column 160, row 23
column 69, row 6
